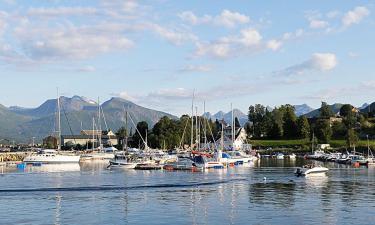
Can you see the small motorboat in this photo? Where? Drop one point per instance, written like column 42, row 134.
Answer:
column 310, row 169
column 280, row 156
column 292, row 156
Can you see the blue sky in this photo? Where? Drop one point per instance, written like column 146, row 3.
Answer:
column 156, row 53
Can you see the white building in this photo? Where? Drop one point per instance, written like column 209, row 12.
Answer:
column 239, row 142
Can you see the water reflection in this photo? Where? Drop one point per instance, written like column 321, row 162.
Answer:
column 275, row 193
column 53, row 168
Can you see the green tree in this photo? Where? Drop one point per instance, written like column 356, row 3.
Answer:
column 351, row 138
column 289, row 121
column 256, row 116
column 276, row 130
column 346, row 110
column 339, row 130
column 303, row 127
column 325, row 111
column 139, row 135
column 121, row 136
column 323, row 130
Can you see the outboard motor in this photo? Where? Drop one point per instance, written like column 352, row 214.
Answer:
column 298, row 172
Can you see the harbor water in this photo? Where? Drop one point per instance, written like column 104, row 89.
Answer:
column 264, row 193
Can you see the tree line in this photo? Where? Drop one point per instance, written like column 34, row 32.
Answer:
column 170, row 133
column 282, row 123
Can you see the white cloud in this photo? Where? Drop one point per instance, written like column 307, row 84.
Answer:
column 196, row 68
column 125, row 95
column 355, row 16
column 332, row 14
column 274, row 44
column 341, row 93
column 218, row 50
column 176, row 37
column 318, row 62
column 227, row 18
column 293, row 35
column 87, row 69
column 318, row 24
column 68, row 42
column 61, row 11
column 248, row 40
column 323, row 61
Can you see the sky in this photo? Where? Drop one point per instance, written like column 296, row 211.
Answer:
column 157, row 53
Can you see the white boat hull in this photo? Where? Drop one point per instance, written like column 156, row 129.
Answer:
column 52, row 159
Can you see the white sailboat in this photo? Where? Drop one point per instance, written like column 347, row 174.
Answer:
column 47, row 156
column 123, row 159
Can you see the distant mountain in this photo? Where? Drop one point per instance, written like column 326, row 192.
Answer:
column 76, row 113
column 364, row 106
column 368, row 108
column 302, row 109
column 315, row 113
column 228, row 116
column 74, row 103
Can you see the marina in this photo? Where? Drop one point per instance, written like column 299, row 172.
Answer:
column 90, row 193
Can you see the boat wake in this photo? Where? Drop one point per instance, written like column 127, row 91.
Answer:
column 118, row 188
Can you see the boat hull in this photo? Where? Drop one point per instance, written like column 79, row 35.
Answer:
column 56, row 159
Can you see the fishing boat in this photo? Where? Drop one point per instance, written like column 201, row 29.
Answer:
column 48, row 156
column 310, row 169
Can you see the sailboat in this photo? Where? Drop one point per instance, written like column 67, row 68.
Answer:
column 102, row 154
column 123, row 159
column 47, row 156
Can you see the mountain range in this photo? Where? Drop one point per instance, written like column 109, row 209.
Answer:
column 77, row 113
column 242, row 117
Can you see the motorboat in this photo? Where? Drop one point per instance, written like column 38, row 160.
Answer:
column 318, row 154
column 207, row 163
column 239, row 157
column 310, row 169
column 183, row 164
column 48, row 156
column 280, row 156
column 124, row 161
column 292, row 156
column 358, row 159
column 333, row 157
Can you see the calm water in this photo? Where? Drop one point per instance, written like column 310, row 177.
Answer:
column 91, row 194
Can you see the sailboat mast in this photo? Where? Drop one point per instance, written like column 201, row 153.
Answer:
column 99, row 127
column 192, row 123
column 93, row 133
column 205, row 124
column 231, row 108
column 58, row 121
column 126, row 130
column 196, row 128
column 312, row 143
